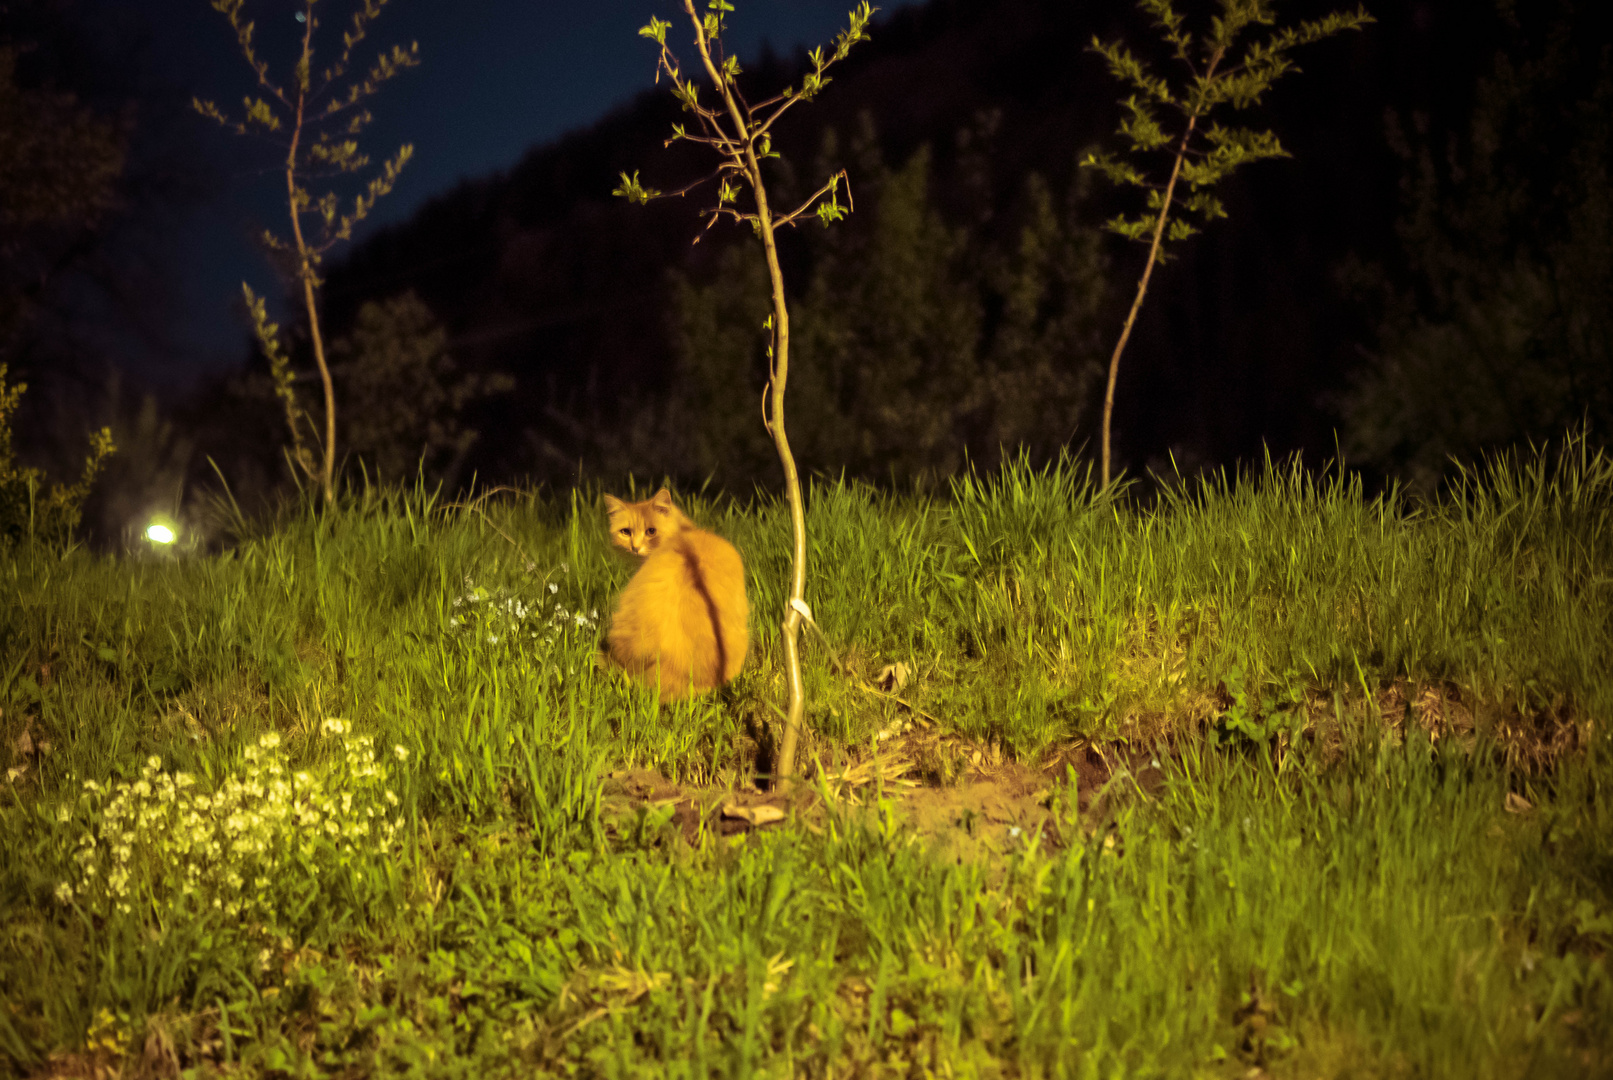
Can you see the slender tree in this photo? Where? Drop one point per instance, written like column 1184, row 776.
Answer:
column 317, row 120
column 1230, row 65
column 740, row 134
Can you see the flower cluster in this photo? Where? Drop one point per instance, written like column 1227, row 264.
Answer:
column 162, row 838
column 503, row 615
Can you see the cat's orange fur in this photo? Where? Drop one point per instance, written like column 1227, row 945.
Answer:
column 680, row 622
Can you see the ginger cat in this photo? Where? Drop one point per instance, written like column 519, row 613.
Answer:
column 680, row 622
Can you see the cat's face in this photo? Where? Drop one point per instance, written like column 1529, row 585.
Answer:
column 641, row 527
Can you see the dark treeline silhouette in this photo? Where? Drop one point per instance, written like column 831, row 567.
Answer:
column 962, row 308
column 586, row 300
column 96, row 174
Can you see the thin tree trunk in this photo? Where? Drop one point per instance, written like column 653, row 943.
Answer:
column 1148, row 270
column 305, row 270
column 1142, row 291
column 784, row 768
column 328, row 470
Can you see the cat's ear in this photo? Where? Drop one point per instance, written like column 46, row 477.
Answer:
column 613, row 505
column 662, row 500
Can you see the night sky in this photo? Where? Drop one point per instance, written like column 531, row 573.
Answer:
column 1253, row 339
column 496, row 78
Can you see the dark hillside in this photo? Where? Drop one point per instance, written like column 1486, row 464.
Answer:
column 541, row 273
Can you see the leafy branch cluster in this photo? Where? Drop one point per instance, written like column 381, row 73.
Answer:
column 746, row 140
column 1220, row 71
column 287, row 113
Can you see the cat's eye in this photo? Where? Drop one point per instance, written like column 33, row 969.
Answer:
column 625, row 532
column 650, row 531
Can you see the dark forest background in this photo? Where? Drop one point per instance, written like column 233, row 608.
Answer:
column 1430, row 275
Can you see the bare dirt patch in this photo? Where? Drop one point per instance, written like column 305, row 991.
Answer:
column 990, row 806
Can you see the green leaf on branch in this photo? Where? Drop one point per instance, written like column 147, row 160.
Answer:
column 1119, row 172
column 258, row 112
column 1137, row 228
column 1205, row 205
column 1141, row 127
column 1179, row 229
column 829, row 212
column 633, row 191
column 655, row 30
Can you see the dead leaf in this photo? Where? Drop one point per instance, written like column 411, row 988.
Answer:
column 15, row 774
column 886, row 770
column 1517, row 804
column 893, row 677
column 24, row 744
column 159, row 1058
column 756, row 815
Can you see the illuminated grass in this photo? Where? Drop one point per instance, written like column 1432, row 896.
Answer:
column 1372, row 901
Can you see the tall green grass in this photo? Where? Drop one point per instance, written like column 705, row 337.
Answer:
column 1366, row 905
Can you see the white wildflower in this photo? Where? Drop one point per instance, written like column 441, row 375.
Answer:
column 159, row 837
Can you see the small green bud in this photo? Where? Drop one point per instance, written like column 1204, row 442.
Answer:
column 655, row 31
column 631, row 190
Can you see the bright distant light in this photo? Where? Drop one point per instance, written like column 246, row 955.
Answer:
column 160, row 534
